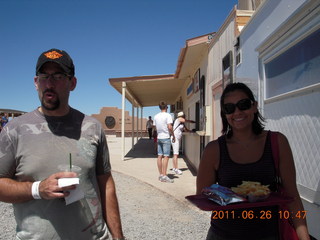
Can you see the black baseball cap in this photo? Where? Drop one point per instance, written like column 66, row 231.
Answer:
column 58, row 56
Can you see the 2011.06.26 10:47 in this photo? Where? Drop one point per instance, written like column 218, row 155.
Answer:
column 250, row 214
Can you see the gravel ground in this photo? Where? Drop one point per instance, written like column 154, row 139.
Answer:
column 146, row 212
column 7, row 222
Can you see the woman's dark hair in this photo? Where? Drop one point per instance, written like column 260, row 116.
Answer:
column 258, row 121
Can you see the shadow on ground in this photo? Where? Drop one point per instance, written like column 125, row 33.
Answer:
column 144, row 148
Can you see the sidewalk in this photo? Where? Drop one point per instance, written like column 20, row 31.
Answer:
column 141, row 163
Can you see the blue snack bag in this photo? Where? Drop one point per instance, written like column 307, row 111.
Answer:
column 222, row 195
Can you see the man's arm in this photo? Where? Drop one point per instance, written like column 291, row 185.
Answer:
column 190, row 121
column 183, row 120
column 170, row 128
column 12, row 191
column 110, row 205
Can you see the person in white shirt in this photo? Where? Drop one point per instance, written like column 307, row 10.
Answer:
column 163, row 123
column 178, row 128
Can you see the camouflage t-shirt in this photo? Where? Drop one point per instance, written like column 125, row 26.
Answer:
column 31, row 148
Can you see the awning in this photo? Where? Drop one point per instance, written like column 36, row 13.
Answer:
column 146, row 91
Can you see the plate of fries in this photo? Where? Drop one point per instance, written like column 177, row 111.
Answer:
column 253, row 191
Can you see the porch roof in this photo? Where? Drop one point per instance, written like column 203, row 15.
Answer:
column 146, row 91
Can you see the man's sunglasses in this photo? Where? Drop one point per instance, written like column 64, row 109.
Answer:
column 243, row 104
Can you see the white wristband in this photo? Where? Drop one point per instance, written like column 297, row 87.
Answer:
column 35, row 190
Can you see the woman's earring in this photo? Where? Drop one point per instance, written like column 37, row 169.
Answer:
column 228, row 129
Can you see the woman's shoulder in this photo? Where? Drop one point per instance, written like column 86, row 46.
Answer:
column 211, row 154
column 280, row 136
column 213, row 145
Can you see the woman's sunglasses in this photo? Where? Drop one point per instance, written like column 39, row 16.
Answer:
column 243, row 104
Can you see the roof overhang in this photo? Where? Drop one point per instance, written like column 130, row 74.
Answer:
column 146, row 91
column 191, row 55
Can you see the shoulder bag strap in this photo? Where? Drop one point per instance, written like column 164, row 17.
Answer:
column 275, row 150
column 177, row 125
column 286, row 228
column 276, row 159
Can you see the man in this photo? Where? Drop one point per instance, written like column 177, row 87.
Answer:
column 33, row 145
column 149, row 127
column 163, row 123
column 178, row 128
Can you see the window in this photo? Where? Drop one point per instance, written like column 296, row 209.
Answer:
column 227, row 69
column 197, row 127
column 179, row 105
column 238, row 57
column 296, row 68
column 237, row 51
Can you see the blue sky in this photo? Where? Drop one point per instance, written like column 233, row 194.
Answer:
column 105, row 38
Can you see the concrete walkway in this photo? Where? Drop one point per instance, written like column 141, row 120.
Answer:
column 141, row 163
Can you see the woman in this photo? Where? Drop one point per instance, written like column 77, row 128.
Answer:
column 243, row 153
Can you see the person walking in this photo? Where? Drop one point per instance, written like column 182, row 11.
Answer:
column 178, row 128
column 33, row 145
column 244, row 153
column 163, row 124
column 149, row 126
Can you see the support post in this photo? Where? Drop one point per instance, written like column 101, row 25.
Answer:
column 132, row 130
column 123, row 119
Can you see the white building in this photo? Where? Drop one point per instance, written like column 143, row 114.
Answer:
column 280, row 60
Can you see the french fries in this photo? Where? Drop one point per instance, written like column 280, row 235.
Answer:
column 252, row 188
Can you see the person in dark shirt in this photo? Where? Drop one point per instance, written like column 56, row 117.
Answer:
column 244, row 153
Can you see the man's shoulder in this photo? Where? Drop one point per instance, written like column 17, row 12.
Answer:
column 80, row 116
column 162, row 115
column 88, row 118
column 78, row 113
column 28, row 118
column 92, row 119
column 157, row 115
column 24, row 117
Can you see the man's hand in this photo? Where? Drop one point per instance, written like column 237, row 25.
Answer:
column 49, row 189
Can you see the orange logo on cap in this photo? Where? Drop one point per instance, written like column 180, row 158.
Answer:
column 53, row 55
